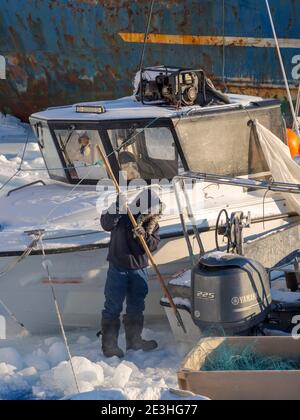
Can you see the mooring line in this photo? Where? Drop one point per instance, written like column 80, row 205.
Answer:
column 58, row 311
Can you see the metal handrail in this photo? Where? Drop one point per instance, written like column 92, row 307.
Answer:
column 25, row 186
column 274, row 186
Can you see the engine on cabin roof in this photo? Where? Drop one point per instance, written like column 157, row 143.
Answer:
column 178, row 87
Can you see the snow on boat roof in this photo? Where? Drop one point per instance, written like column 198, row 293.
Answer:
column 129, row 108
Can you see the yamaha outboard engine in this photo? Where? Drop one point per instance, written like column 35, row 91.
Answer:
column 230, row 293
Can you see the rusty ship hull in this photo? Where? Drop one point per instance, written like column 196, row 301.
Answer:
column 61, row 51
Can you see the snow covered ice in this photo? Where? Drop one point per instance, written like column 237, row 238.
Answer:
column 121, row 376
column 60, row 379
column 37, row 368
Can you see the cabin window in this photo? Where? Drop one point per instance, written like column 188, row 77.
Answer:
column 150, row 155
column 81, row 155
column 155, row 138
column 224, row 144
column 49, row 151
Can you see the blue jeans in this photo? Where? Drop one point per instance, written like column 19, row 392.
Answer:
column 124, row 284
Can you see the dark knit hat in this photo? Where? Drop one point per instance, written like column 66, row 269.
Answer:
column 147, row 202
column 126, row 157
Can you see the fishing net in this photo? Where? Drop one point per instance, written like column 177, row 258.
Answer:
column 283, row 168
column 230, row 358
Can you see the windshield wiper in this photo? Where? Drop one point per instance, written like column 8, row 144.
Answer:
column 63, row 145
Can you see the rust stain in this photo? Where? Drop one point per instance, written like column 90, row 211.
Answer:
column 69, row 38
column 73, row 77
column 62, row 282
column 264, row 91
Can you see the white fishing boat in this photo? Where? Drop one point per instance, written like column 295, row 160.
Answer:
column 162, row 141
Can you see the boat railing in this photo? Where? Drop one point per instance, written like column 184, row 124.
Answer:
column 274, row 186
column 40, row 181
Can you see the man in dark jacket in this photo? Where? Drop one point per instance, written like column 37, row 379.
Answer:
column 127, row 275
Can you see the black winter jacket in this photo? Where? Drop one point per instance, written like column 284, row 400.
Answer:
column 126, row 251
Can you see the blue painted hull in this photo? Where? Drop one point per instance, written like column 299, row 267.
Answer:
column 61, row 51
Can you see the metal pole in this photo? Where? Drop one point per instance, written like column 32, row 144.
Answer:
column 297, row 108
column 182, row 218
column 144, row 48
column 146, row 35
column 143, row 242
column 242, row 183
column 283, row 71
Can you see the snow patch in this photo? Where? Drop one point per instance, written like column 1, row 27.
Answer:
column 6, row 369
column 175, row 394
column 139, row 376
column 184, row 279
column 51, row 340
column 178, row 302
column 13, row 136
column 101, row 395
column 28, row 372
column 83, row 340
column 60, row 378
column 12, row 357
column 57, row 353
column 12, row 384
column 121, row 376
column 38, row 360
column 217, row 255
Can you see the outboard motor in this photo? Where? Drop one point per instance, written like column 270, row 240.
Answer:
column 230, row 293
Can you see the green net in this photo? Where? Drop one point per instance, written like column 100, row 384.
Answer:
column 230, row 358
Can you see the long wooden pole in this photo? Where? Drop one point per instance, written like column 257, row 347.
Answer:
column 143, row 243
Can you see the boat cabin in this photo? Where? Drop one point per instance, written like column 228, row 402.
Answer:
column 154, row 141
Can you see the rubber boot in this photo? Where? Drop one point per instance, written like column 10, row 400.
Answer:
column 110, row 333
column 133, row 332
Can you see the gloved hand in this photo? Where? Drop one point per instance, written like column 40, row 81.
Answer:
column 121, row 203
column 139, row 231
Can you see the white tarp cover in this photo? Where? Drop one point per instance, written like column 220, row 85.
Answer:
column 283, row 168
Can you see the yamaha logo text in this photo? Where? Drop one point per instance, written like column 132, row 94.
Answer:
column 244, row 299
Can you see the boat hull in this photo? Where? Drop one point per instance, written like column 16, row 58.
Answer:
column 26, row 289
